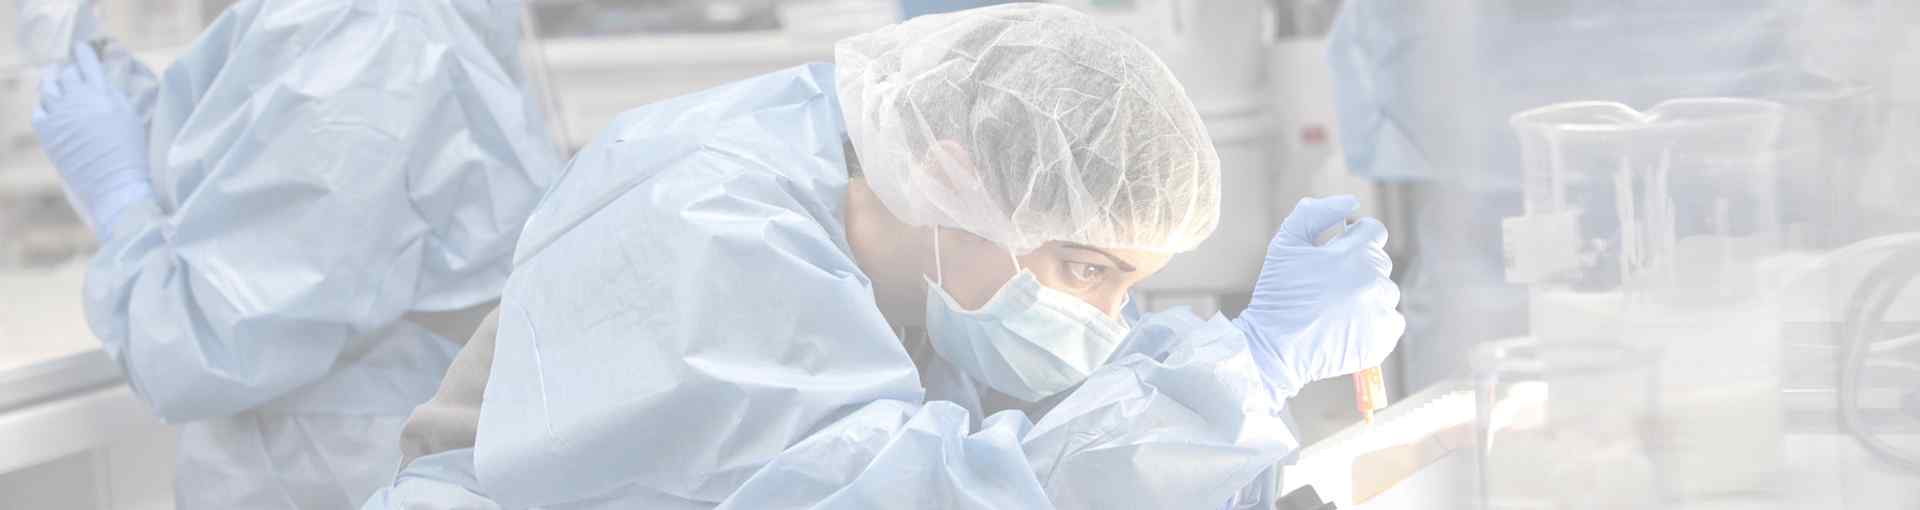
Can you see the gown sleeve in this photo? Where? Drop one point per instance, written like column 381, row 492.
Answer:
column 1191, row 426
column 683, row 307
column 317, row 175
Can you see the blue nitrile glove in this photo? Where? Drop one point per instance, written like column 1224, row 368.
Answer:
column 94, row 137
column 1323, row 311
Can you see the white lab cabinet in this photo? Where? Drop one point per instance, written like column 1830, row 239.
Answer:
column 594, row 79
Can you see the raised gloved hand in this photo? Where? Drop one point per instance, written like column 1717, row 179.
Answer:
column 1322, row 311
column 94, row 137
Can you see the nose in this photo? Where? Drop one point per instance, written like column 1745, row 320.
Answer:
column 1111, row 306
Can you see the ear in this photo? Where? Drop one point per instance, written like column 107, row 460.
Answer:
column 950, row 166
column 952, row 185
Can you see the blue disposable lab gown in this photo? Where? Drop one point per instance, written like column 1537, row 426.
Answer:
column 329, row 177
column 686, row 328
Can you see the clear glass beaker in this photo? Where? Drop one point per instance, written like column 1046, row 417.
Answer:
column 1661, row 210
column 1564, row 426
column 1654, row 231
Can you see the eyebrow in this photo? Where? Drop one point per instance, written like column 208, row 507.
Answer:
column 1117, row 261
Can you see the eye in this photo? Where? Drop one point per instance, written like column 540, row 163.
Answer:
column 1083, row 275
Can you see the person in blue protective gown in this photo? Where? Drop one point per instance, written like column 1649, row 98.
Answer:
column 323, row 205
column 896, row 282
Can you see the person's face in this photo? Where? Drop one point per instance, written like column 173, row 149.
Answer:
column 974, row 269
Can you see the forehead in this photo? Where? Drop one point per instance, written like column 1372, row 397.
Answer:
column 1140, row 259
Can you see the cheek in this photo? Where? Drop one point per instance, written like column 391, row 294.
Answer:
column 972, row 289
column 1110, row 301
column 974, row 280
column 1112, row 298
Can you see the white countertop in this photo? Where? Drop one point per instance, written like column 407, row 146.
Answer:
column 41, row 316
column 59, row 394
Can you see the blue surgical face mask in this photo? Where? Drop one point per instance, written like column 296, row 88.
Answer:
column 1028, row 342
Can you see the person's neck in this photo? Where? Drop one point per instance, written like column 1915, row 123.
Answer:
column 890, row 252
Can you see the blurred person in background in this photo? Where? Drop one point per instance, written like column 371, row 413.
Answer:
column 898, row 281
column 324, row 203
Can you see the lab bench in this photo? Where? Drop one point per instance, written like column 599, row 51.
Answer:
column 1415, row 454
column 72, row 434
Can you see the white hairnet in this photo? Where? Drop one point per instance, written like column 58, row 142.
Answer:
column 1029, row 123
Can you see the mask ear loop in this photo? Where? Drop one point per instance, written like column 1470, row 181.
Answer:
column 939, row 274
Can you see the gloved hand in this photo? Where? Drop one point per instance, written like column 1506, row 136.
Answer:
column 1323, row 311
column 94, row 137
